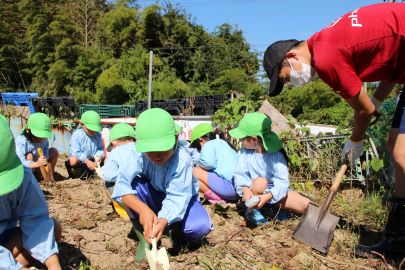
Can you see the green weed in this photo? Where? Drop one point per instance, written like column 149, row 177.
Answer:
column 85, row 266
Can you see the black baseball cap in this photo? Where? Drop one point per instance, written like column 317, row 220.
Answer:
column 273, row 57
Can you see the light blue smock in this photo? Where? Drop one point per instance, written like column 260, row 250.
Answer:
column 84, row 146
column 117, row 159
column 173, row 178
column 27, row 206
column 271, row 166
column 23, row 146
column 217, row 156
column 193, row 152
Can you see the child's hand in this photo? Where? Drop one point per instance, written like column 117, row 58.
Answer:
column 264, row 198
column 97, row 158
column 42, row 161
column 159, row 228
column 90, row 165
column 147, row 218
column 247, row 194
column 52, row 263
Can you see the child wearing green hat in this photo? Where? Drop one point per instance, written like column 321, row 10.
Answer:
column 165, row 196
column 86, row 147
column 262, row 168
column 123, row 151
column 35, row 135
column 27, row 233
column 218, row 160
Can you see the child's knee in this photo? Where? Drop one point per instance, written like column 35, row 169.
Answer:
column 29, row 157
column 199, row 229
column 53, row 153
column 259, row 184
column 73, row 161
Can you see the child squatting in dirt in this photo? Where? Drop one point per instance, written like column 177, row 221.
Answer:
column 34, row 136
column 216, row 166
column 159, row 190
column 123, row 151
column 85, row 147
column 262, row 170
column 27, row 233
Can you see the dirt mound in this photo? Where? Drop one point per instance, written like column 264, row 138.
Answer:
column 94, row 237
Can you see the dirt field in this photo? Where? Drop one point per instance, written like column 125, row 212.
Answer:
column 94, row 237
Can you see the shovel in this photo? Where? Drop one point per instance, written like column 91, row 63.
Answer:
column 98, row 170
column 46, row 170
column 157, row 257
column 317, row 225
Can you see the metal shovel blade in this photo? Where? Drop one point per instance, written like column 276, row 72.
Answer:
column 318, row 237
column 163, row 259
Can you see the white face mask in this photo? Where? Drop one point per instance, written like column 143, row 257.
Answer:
column 301, row 77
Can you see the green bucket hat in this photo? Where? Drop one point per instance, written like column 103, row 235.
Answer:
column 155, row 131
column 11, row 168
column 257, row 124
column 121, row 130
column 200, row 130
column 40, row 125
column 91, row 120
column 178, row 128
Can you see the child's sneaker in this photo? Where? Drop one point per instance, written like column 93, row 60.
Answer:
column 212, row 197
column 254, row 217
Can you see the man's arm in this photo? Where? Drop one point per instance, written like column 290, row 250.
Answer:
column 383, row 90
column 363, row 111
column 364, row 107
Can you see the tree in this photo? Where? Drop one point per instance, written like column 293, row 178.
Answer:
column 85, row 15
column 118, row 29
column 12, row 47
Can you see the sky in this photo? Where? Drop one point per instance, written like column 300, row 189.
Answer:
column 266, row 21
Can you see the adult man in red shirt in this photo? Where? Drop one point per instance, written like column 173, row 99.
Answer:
column 364, row 45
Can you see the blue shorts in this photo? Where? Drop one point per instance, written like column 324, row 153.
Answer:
column 222, row 187
column 399, row 116
column 6, row 235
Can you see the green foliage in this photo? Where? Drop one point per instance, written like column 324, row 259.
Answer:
column 71, row 48
column 233, row 111
column 118, row 29
column 110, row 87
column 372, row 209
column 314, row 102
column 376, row 164
column 85, row 266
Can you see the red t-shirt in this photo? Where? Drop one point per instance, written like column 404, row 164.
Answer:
column 364, row 45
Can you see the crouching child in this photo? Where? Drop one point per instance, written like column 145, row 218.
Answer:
column 159, row 190
column 35, row 136
column 27, row 233
column 86, row 147
column 262, row 169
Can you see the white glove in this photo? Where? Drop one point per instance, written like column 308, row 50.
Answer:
column 353, row 150
column 377, row 103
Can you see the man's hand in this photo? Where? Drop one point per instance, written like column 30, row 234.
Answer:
column 352, row 150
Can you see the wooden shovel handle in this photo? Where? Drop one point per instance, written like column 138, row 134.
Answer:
column 338, row 178
column 41, row 154
column 331, row 194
